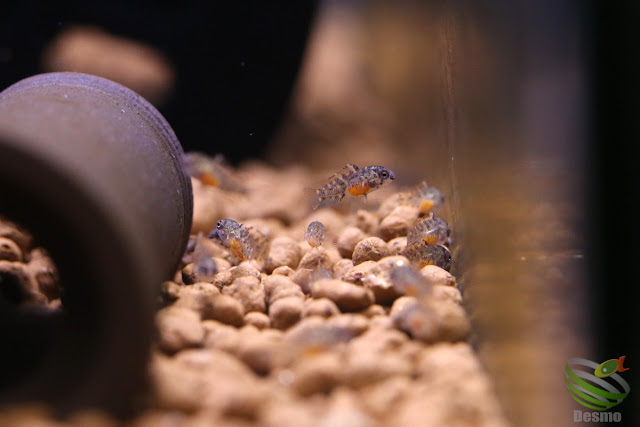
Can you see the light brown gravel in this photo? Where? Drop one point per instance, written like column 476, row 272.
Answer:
column 370, row 249
column 348, row 297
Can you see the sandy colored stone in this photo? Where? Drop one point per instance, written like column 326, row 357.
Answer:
column 190, row 275
column 285, row 312
column 207, row 207
column 284, row 251
column 370, row 249
column 438, row 276
column 354, row 323
column 348, row 297
column 249, row 291
column 270, row 228
column 437, row 320
column 178, row 328
column 446, row 367
column 377, row 276
column 397, row 244
column 319, row 333
column 322, row 307
column 320, row 258
column 377, row 341
column 332, row 220
column 257, row 319
column 169, row 292
column 305, row 278
column 348, row 239
column 197, row 296
column 345, row 409
column 341, row 267
column 45, row 273
column 227, row 277
column 284, row 270
column 9, row 250
column 358, row 272
column 220, row 336
column 406, row 280
column 18, row 235
column 449, row 293
column 276, row 287
column 298, row 411
column 225, row 309
column 262, row 352
column 367, row 222
column 318, row 373
column 379, row 280
column 382, row 398
column 374, row 310
column 381, row 322
column 398, row 222
column 420, row 322
column 366, row 368
column 208, row 378
column 453, row 323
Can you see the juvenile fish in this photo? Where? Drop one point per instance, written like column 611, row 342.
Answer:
column 421, row 196
column 204, row 266
column 212, row 171
column 315, row 234
column 422, row 254
column 353, row 181
column 433, row 231
column 243, row 241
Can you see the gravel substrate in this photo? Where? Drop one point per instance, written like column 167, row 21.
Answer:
column 350, row 333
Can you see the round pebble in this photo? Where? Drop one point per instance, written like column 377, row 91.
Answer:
column 347, row 296
column 284, row 252
column 285, row 312
column 257, row 319
column 249, row 291
column 9, row 250
column 370, row 249
column 178, row 328
column 348, row 240
column 398, row 222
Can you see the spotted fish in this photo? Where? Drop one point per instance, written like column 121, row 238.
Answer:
column 212, row 171
column 315, row 234
column 243, row 241
column 421, row 196
column 353, row 181
column 422, row 254
column 433, row 231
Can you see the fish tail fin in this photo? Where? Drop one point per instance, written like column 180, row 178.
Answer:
column 313, row 197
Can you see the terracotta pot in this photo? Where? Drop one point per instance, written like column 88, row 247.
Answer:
column 95, row 173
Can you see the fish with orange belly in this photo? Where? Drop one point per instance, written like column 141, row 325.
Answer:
column 244, row 242
column 353, row 181
column 212, row 172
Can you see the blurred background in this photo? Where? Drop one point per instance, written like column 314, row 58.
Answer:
column 521, row 112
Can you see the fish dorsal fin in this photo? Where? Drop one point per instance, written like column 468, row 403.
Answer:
column 345, row 171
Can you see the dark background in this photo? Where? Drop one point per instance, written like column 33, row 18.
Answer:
column 615, row 125
column 236, row 61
